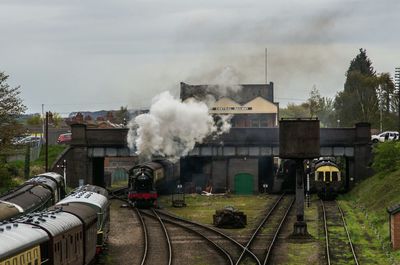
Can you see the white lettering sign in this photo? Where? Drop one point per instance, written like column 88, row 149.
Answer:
column 231, row 108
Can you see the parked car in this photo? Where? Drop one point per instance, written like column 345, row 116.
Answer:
column 28, row 139
column 64, row 138
column 385, row 136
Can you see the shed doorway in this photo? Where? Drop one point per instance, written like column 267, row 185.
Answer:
column 244, row 184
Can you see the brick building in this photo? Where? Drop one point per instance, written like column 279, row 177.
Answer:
column 394, row 226
column 252, row 106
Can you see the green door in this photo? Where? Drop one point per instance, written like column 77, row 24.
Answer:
column 244, row 184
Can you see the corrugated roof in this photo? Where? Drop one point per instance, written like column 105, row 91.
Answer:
column 95, row 200
column 53, row 175
column 84, row 212
column 44, row 181
column 15, row 237
column 54, row 222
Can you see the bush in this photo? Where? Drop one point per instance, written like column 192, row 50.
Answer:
column 386, row 157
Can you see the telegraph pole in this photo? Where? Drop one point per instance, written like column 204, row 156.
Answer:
column 266, row 66
column 397, row 86
column 47, row 143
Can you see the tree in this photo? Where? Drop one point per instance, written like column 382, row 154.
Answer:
column 122, row 115
column 11, row 108
column 321, row 107
column 295, row 111
column 387, row 89
column 57, row 119
column 34, row 120
column 358, row 102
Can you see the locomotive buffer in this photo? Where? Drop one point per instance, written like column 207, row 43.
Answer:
column 299, row 140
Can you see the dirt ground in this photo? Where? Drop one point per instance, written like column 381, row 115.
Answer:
column 125, row 237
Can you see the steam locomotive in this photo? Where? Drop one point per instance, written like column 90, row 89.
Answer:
column 62, row 234
column 35, row 194
column 148, row 180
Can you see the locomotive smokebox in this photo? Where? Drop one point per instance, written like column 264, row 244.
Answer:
column 299, row 138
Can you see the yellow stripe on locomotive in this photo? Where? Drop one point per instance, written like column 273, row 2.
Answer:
column 327, row 174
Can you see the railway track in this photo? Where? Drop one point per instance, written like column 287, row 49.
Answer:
column 175, row 222
column 231, row 246
column 157, row 250
column 117, row 192
column 262, row 241
column 338, row 245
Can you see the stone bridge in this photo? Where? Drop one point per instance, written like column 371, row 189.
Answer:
column 86, row 153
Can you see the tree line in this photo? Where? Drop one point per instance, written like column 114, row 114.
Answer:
column 367, row 96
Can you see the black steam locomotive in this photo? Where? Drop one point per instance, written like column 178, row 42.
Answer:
column 148, row 180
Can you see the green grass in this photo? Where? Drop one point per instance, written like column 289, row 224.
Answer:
column 306, row 252
column 366, row 214
column 15, row 169
column 201, row 208
column 54, row 152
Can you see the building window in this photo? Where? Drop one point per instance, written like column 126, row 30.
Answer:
column 264, row 123
column 255, row 123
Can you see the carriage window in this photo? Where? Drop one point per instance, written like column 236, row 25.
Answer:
column 335, row 176
column 328, row 176
column 321, row 176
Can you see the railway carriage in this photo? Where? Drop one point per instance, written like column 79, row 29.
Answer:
column 93, row 197
column 58, row 179
column 34, row 195
column 20, row 244
column 88, row 218
column 66, row 233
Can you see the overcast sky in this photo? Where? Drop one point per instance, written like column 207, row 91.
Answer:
column 90, row 55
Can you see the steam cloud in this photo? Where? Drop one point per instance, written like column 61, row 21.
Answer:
column 226, row 82
column 172, row 127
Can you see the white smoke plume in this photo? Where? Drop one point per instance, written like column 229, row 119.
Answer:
column 225, row 82
column 172, row 127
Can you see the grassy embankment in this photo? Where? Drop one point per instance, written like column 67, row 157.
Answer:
column 36, row 167
column 366, row 207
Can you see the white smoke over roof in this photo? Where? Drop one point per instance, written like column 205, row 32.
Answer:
column 172, row 127
column 226, row 82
